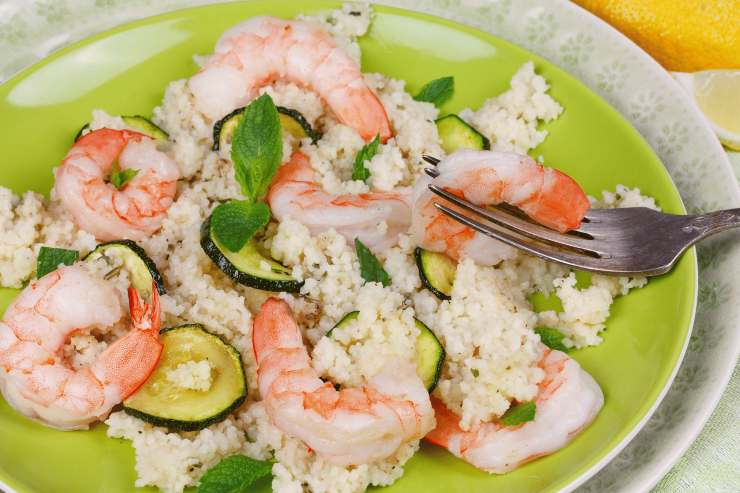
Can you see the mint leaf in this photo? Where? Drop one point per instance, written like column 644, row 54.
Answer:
column 521, row 413
column 49, row 259
column 235, row 222
column 552, row 338
column 119, row 177
column 257, row 147
column 359, row 171
column 437, row 91
column 234, row 474
column 370, row 268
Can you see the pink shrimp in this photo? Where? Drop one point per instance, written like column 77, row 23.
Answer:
column 295, row 193
column 139, row 207
column 567, row 402
column 347, row 427
column 261, row 50
column 34, row 377
column 547, row 195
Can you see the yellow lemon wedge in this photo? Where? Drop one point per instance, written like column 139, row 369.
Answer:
column 683, row 35
column 717, row 94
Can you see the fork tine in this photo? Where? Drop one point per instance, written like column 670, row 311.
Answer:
column 521, row 226
column 431, row 172
column 430, row 159
column 576, row 260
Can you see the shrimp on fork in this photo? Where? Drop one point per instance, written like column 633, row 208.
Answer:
column 139, row 207
column 261, row 50
column 547, row 195
column 34, row 377
column 567, row 402
column 295, row 193
column 349, row 426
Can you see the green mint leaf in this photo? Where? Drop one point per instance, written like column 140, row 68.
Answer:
column 359, row 171
column 552, row 338
column 50, row 258
column 235, row 222
column 437, row 91
column 119, row 177
column 234, row 474
column 370, row 268
column 257, row 147
column 521, row 413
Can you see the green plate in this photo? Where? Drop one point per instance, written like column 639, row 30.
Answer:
column 125, row 71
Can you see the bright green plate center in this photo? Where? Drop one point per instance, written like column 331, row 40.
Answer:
column 125, row 71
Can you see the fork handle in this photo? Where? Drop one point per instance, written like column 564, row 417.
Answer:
column 704, row 225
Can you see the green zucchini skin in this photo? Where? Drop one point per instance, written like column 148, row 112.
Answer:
column 139, row 252
column 139, row 123
column 428, row 283
column 455, row 133
column 426, row 341
column 195, row 425
column 214, row 253
column 220, row 126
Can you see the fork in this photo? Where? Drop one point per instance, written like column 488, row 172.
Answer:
column 628, row 241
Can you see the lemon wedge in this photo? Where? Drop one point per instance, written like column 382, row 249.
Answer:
column 717, row 94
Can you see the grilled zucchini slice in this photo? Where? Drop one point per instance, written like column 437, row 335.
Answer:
column 291, row 121
column 163, row 403
column 430, row 355
column 137, row 122
column 456, row 134
column 437, row 272
column 141, row 268
column 248, row 266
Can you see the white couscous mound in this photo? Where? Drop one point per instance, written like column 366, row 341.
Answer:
column 486, row 326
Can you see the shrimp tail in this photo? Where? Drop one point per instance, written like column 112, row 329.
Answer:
column 144, row 316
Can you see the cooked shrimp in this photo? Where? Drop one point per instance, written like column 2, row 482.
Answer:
column 347, row 427
column 376, row 218
column 136, row 210
column 34, row 377
column 547, row 195
column 261, row 50
column 568, row 401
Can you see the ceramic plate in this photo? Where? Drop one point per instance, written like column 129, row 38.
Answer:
column 126, row 70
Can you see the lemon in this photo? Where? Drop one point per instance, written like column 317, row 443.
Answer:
column 683, row 35
column 717, row 94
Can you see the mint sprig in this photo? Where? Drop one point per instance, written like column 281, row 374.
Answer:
column 235, row 222
column 370, row 268
column 234, row 474
column 257, row 147
column 437, row 91
column 521, row 413
column 257, row 150
column 552, row 338
column 359, row 171
column 50, row 258
column 119, row 177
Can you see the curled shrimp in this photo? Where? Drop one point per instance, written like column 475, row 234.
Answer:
column 347, row 427
column 567, row 402
column 547, row 195
column 261, row 50
column 139, row 207
column 34, row 377
column 376, row 218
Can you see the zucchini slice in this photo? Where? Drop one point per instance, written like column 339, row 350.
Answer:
column 430, row 355
column 291, row 121
column 163, row 403
column 247, row 266
column 136, row 122
column 456, row 134
column 145, row 126
column 141, row 268
column 437, row 272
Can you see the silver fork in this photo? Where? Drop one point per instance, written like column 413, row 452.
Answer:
column 628, row 241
